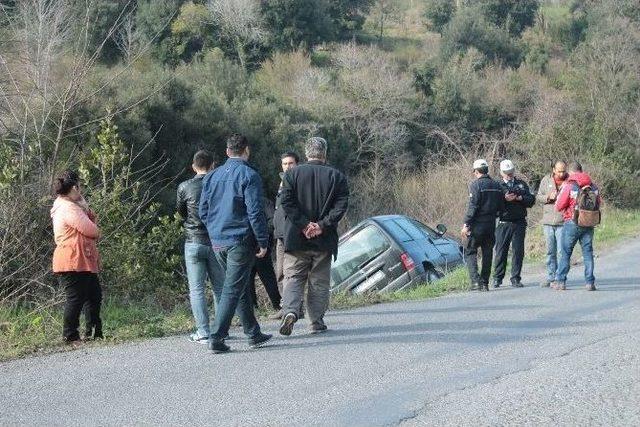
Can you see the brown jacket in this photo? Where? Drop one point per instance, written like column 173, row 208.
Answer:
column 549, row 214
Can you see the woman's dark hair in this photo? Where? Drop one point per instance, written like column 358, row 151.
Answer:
column 65, row 182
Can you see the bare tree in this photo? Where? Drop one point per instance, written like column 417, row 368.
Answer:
column 238, row 21
column 47, row 64
column 382, row 12
column 379, row 104
column 127, row 38
column 47, row 59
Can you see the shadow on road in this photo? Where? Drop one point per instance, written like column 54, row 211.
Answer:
column 434, row 310
column 497, row 332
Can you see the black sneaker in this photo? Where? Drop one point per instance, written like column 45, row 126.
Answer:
column 517, row 284
column 484, row 288
column 218, row 347
column 287, row 324
column 259, row 340
column 73, row 341
column 496, row 285
column 318, row 328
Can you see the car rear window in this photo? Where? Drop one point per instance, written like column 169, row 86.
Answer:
column 357, row 250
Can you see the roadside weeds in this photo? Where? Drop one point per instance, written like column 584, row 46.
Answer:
column 35, row 331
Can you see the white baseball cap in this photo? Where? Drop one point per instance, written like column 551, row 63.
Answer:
column 507, row 166
column 480, row 163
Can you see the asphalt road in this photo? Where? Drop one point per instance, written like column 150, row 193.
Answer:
column 509, row 357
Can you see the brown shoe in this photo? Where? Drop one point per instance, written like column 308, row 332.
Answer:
column 591, row 287
column 287, row 324
column 559, row 286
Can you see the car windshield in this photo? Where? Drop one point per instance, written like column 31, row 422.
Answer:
column 358, row 250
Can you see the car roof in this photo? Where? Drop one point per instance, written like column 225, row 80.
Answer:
column 378, row 220
column 381, row 218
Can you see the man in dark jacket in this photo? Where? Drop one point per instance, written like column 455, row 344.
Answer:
column 232, row 210
column 264, row 266
column 200, row 261
column 288, row 160
column 486, row 201
column 512, row 226
column 315, row 198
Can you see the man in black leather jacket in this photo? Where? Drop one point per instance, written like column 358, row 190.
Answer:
column 199, row 257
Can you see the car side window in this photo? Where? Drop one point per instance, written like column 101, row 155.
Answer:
column 360, row 248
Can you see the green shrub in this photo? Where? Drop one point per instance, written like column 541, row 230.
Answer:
column 469, row 28
column 438, row 13
column 139, row 248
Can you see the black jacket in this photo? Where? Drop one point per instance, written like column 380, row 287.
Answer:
column 516, row 211
column 187, row 204
column 279, row 217
column 486, row 201
column 269, row 211
column 313, row 192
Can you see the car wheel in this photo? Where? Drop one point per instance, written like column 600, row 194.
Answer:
column 433, row 275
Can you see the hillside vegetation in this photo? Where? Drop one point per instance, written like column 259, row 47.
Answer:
column 407, row 92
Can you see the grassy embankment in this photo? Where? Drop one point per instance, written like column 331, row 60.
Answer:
column 32, row 330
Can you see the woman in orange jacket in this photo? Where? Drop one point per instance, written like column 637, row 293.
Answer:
column 76, row 259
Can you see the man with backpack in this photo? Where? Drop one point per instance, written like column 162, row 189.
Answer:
column 579, row 201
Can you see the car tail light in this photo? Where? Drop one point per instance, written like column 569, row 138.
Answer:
column 407, row 262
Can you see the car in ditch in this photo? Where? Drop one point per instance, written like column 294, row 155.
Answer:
column 391, row 253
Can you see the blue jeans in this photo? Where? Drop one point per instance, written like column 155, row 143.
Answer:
column 553, row 235
column 237, row 262
column 572, row 234
column 201, row 262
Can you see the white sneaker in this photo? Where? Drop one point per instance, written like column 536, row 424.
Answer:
column 198, row 339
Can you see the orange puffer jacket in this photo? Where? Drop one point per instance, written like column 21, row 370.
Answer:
column 75, row 233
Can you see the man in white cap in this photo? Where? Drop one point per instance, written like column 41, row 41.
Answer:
column 512, row 225
column 486, row 201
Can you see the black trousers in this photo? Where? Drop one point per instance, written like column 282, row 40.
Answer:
column 509, row 234
column 83, row 294
column 264, row 269
column 482, row 237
